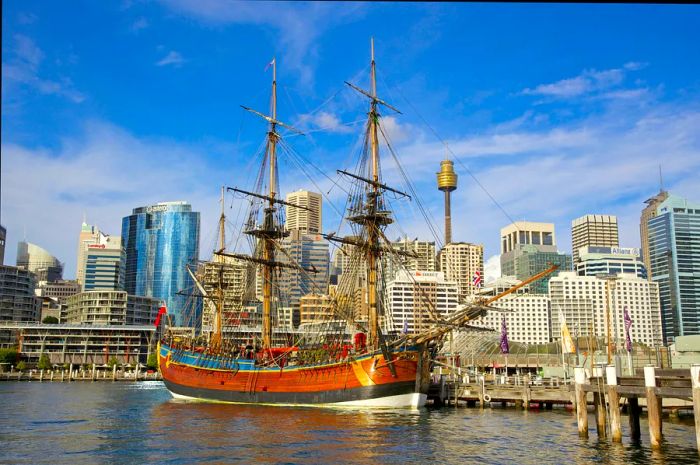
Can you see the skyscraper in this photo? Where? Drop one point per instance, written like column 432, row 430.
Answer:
column 593, row 230
column 528, row 248
column 648, row 213
column 594, row 261
column 18, row 301
column 45, row 266
column 3, row 235
column 102, row 264
column 88, row 235
column 459, row 262
column 309, row 251
column 674, row 253
column 421, row 258
column 308, row 221
column 159, row 241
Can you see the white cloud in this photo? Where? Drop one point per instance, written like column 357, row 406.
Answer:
column 297, row 25
column 23, row 70
column 605, row 163
column 139, row 23
column 589, row 81
column 104, row 173
column 492, row 269
column 172, row 58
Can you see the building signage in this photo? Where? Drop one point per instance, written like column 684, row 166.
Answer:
column 156, row 208
column 96, row 246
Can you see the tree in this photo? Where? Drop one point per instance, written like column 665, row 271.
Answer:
column 44, row 362
column 50, row 320
column 152, row 362
column 113, row 362
column 9, row 355
column 21, row 366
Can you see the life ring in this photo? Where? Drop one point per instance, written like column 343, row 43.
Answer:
column 487, row 398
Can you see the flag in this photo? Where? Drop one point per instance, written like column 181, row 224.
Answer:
column 476, row 282
column 504, row 337
column 567, row 344
column 161, row 311
column 270, row 64
column 628, row 326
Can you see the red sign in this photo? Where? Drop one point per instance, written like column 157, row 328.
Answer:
column 96, row 246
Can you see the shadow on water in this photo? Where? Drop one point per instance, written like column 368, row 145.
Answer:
column 106, row 423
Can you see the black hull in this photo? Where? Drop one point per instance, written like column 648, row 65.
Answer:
column 365, row 393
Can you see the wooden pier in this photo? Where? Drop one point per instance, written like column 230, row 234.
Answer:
column 608, row 393
column 81, row 374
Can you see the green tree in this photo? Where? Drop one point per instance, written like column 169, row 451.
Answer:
column 50, row 320
column 113, row 361
column 9, row 355
column 44, row 362
column 21, row 366
column 152, row 362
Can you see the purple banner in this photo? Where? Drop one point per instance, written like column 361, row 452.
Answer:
column 628, row 325
column 505, row 348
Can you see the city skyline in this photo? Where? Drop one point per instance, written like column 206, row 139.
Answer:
column 602, row 121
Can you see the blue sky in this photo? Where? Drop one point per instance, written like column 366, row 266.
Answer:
column 557, row 110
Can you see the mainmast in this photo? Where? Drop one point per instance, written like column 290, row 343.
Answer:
column 372, row 201
column 268, row 223
column 372, row 217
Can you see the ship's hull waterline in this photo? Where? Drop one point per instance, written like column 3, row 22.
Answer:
column 361, row 383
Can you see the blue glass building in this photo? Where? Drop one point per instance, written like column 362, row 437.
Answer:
column 674, row 253
column 159, row 241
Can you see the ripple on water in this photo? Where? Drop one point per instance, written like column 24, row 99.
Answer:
column 69, row 423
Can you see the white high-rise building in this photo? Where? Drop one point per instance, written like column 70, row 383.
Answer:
column 583, row 301
column 307, row 221
column 459, row 262
column 593, row 231
column 528, row 316
column 412, row 296
column 414, row 255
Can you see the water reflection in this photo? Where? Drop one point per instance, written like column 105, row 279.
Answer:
column 138, row 423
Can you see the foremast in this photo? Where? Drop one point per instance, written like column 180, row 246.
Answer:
column 372, row 217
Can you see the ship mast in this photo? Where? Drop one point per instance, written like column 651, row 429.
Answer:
column 373, row 218
column 370, row 226
column 219, row 317
column 268, row 223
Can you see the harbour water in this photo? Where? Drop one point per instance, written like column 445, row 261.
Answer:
column 125, row 423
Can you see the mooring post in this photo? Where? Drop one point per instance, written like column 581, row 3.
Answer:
column 653, row 407
column 581, row 403
column 94, row 370
column 114, row 372
column 634, row 410
column 70, row 372
column 614, row 403
column 695, row 379
column 600, row 414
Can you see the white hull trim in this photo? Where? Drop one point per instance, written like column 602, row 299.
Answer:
column 414, row 400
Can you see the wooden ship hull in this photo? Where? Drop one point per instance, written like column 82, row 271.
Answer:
column 366, row 380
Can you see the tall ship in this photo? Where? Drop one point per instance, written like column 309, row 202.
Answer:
column 352, row 357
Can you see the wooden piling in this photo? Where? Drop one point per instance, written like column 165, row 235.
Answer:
column 114, row 372
column 600, row 414
column 581, row 403
column 614, row 403
column 653, row 407
column 695, row 380
column 634, row 410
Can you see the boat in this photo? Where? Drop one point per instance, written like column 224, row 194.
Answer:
column 351, row 360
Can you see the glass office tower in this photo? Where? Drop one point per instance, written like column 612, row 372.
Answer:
column 674, row 254
column 159, row 241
